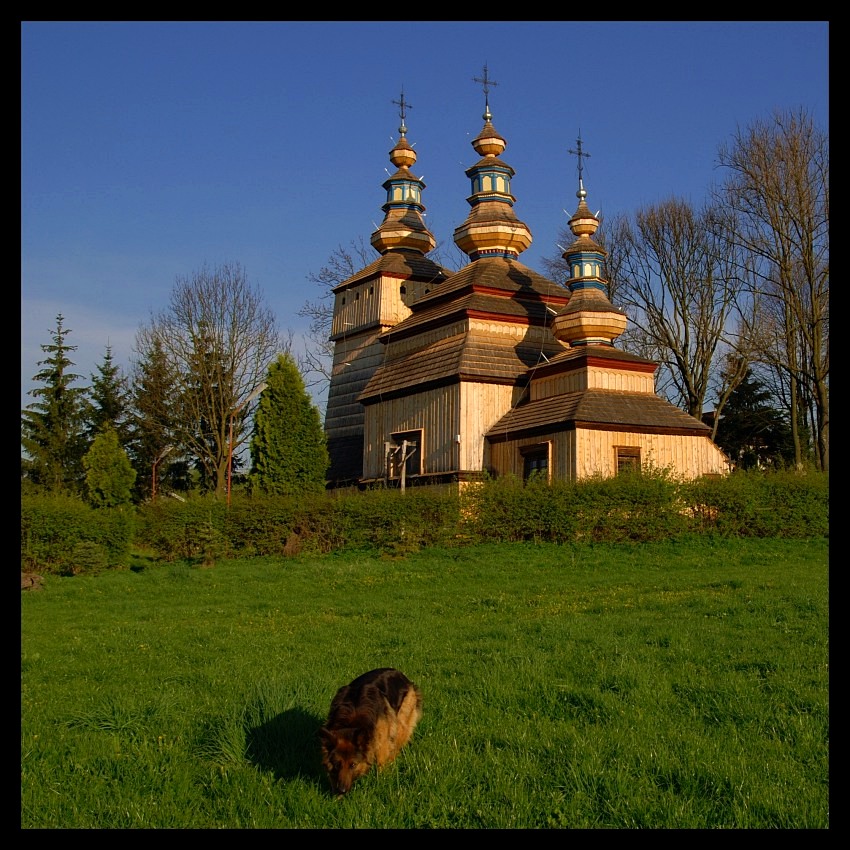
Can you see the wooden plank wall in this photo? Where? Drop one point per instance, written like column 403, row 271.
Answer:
column 597, row 378
column 355, row 360
column 506, row 458
column 585, row 452
column 482, row 405
column 689, row 456
column 438, row 413
column 434, row 411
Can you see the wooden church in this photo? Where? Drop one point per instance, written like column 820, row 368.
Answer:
column 494, row 369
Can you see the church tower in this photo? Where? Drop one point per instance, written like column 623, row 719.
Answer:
column 461, row 358
column 374, row 300
column 593, row 410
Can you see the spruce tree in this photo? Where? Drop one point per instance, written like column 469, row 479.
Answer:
column 153, row 449
column 52, row 427
column 109, row 473
column 752, row 431
column 288, row 448
column 108, row 401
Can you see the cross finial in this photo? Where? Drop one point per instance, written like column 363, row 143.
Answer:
column 402, row 105
column 486, row 82
column 580, row 154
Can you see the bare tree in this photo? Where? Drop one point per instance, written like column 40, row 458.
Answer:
column 777, row 183
column 219, row 340
column 316, row 361
column 674, row 281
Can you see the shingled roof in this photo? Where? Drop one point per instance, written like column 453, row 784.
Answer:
column 490, row 286
column 465, row 356
column 579, row 356
column 497, row 273
column 597, row 408
column 404, row 264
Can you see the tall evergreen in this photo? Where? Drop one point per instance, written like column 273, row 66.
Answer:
column 153, row 450
column 288, row 448
column 752, row 431
column 53, row 427
column 108, row 401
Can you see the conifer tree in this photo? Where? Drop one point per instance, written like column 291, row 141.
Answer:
column 108, row 400
column 154, row 449
column 752, row 431
column 288, row 448
column 109, row 473
column 52, row 427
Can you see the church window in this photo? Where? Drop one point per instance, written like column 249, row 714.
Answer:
column 628, row 458
column 535, row 461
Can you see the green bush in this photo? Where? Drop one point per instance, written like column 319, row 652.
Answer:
column 629, row 507
column 636, row 507
column 184, row 530
column 261, row 524
column 61, row 534
column 761, row 504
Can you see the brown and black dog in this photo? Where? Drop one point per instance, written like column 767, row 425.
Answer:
column 369, row 722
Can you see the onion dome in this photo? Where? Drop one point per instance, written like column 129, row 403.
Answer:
column 491, row 229
column 403, row 227
column 589, row 318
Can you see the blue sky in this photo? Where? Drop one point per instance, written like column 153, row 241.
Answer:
column 151, row 148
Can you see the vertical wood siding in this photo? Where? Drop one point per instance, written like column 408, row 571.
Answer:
column 690, row 457
column 593, row 378
column 434, row 411
column 584, row 452
column 355, row 361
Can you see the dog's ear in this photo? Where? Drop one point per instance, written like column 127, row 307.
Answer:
column 326, row 736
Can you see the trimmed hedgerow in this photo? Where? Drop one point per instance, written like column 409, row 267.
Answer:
column 635, row 507
column 62, row 534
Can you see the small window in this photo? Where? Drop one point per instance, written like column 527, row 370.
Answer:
column 535, row 461
column 404, row 452
column 628, row 458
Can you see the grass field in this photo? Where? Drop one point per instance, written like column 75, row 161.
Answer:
column 619, row 686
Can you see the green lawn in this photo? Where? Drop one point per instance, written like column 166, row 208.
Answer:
column 657, row 686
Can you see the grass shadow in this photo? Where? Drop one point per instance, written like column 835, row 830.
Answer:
column 287, row 745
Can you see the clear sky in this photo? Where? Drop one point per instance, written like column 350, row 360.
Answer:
column 151, row 148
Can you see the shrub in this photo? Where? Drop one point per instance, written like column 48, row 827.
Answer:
column 177, row 529
column 639, row 507
column 52, row 527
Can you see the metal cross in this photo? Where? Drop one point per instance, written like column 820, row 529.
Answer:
column 402, row 105
column 486, row 82
column 579, row 154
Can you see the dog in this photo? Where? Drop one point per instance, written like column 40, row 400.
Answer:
column 370, row 720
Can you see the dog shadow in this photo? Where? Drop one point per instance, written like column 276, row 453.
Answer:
column 287, row 745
